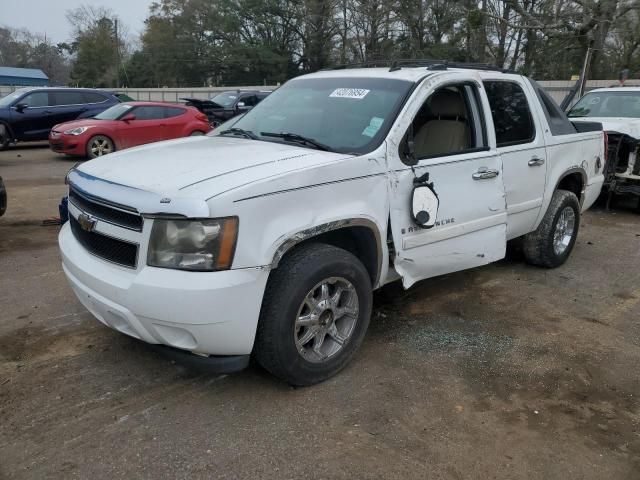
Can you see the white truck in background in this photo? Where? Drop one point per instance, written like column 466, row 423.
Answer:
column 618, row 110
column 268, row 236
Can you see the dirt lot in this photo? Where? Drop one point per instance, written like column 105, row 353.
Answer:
column 508, row 372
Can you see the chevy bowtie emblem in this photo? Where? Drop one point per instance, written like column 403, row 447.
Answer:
column 86, row 222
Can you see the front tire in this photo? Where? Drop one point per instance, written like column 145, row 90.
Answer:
column 551, row 243
column 4, row 137
column 99, row 145
column 3, row 198
column 314, row 316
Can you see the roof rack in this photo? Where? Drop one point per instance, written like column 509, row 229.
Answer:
column 430, row 64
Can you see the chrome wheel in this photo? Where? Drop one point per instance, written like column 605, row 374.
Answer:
column 100, row 146
column 326, row 319
column 565, row 227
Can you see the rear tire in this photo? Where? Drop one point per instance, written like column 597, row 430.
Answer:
column 314, row 316
column 551, row 243
column 99, row 145
column 197, row 133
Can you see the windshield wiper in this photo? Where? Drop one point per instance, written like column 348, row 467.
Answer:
column 294, row 137
column 239, row 131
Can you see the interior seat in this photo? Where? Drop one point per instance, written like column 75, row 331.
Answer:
column 448, row 131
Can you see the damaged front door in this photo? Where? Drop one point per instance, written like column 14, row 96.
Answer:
column 445, row 136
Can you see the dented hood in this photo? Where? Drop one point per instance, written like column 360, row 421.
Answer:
column 628, row 126
column 177, row 167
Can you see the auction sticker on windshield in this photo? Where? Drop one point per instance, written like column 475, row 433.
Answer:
column 358, row 93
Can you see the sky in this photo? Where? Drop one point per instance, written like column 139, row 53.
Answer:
column 48, row 16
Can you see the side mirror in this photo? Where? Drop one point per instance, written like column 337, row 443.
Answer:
column 424, row 206
column 128, row 117
column 21, row 107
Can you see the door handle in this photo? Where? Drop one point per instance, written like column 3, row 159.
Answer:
column 536, row 162
column 484, row 173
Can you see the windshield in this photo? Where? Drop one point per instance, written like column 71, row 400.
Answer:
column 608, row 104
column 347, row 115
column 226, row 99
column 114, row 112
column 9, row 99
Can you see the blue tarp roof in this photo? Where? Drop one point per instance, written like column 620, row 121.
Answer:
column 23, row 73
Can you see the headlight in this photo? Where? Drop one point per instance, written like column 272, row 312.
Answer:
column 199, row 245
column 77, row 131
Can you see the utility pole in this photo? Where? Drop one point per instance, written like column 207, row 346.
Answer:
column 117, row 55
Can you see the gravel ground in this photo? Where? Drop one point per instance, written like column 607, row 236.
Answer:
column 503, row 372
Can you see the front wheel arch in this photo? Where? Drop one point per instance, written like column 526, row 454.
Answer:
column 108, row 137
column 10, row 135
column 359, row 236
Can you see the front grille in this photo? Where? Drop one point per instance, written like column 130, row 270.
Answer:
column 102, row 211
column 109, row 248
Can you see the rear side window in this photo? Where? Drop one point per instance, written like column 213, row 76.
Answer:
column 149, row 113
column 92, row 97
column 511, row 113
column 68, row 98
column 170, row 112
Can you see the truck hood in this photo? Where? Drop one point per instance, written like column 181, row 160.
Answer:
column 628, row 126
column 176, row 166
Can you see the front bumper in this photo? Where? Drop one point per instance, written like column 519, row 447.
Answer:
column 212, row 313
column 68, row 144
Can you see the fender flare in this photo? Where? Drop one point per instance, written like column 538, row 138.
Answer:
column 291, row 241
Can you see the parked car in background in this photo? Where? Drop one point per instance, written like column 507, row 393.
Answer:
column 227, row 105
column 268, row 236
column 127, row 125
column 29, row 113
column 618, row 109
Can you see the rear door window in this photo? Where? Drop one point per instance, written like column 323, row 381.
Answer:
column 170, row 112
column 149, row 113
column 511, row 113
column 68, row 98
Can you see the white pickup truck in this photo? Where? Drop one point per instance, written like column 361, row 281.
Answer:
column 268, row 236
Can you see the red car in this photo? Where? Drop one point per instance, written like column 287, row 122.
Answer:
column 127, row 125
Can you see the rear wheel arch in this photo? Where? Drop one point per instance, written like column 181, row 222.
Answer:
column 573, row 180
column 359, row 236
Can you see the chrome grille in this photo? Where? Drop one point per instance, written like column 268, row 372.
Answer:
column 108, row 248
column 106, row 211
